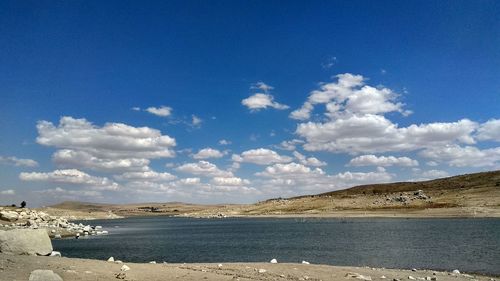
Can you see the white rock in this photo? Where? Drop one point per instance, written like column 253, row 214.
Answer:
column 57, row 236
column 455, row 271
column 305, row 262
column 118, row 261
column 55, row 254
column 9, row 216
column 219, row 265
column 25, row 242
column 261, row 270
column 44, row 275
column 124, row 268
column 152, row 262
column 411, row 278
column 111, row 259
column 273, row 261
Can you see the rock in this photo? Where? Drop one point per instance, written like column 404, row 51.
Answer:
column 57, row 236
column 219, row 265
column 261, row 270
column 305, row 262
column 8, row 216
column 455, row 271
column 152, row 262
column 120, row 275
column 55, row 254
column 411, row 278
column 44, row 275
column 111, row 259
column 25, row 242
column 358, row 276
column 273, row 261
column 125, row 268
column 118, row 262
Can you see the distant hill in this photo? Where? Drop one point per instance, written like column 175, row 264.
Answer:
column 467, row 195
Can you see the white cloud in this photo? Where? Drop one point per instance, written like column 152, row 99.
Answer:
column 296, row 179
column 262, row 101
column 261, row 156
column 489, row 130
column 113, row 140
column 290, row 145
column 229, row 181
column 71, row 176
column 208, row 152
column 83, row 159
column 7, row 192
column 466, row 156
column 262, row 86
column 196, row 121
column 224, row 142
column 349, row 95
column 145, row 176
column 375, row 134
column 308, row 161
column 64, row 194
column 203, row 168
column 136, row 108
column 188, row 181
column 434, row 174
column 18, row 162
column 162, row 111
column 383, row 161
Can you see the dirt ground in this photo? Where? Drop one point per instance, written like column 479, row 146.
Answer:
column 19, row 268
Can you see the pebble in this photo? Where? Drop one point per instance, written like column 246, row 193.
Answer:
column 261, row 270
column 455, row 271
column 124, row 268
column 111, row 259
column 305, row 262
column 273, row 261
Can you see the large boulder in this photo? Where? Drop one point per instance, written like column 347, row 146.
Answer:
column 44, row 275
column 8, row 216
column 25, row 242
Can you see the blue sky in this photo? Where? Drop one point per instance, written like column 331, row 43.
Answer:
column 239, row 101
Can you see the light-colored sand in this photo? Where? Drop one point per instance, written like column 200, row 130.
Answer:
column 19, row 268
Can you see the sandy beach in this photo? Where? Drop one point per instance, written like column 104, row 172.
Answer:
column 14, row 267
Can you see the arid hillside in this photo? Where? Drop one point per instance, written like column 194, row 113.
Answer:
column 471, row 195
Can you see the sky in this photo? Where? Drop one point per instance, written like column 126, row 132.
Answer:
column 241, row 101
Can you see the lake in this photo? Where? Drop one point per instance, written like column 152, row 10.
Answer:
column 470, row 245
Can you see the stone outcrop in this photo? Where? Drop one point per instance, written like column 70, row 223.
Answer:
column 56, row 227
column 25, row 242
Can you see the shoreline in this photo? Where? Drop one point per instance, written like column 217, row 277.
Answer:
column 13, row 267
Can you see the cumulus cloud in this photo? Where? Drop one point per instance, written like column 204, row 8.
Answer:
column 203, row 168
column 224, row 142
column 375, row 134
column 261, row 156
column 7, row 192
column 112, row 147
column 145, row 176
column 308, row 161
column 433, row 174
column 262, row 101
column 230, row 181
column 65, row 194
column 489, row 130
column 290, row 145
column 297, row 179
column 463, row 156
column 162, row 111
column 83, row 159
column 71, row 176
column 382, row 161
column 350, row 95
column 208, row 152
column 196, row 121
column 18, row 162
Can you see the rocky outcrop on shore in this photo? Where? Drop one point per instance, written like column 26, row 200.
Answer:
column 56, row 227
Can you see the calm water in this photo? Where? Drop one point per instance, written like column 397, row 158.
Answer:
column 471, row 245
